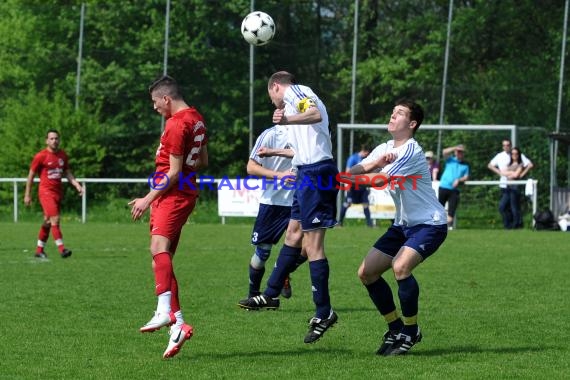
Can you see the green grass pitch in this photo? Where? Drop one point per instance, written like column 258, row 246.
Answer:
column 493, row 304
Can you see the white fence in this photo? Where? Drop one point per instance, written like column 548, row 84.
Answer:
column 241, row 201
column 83, row 181
column 382, row 206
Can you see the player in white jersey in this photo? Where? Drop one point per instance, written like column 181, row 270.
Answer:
column 419, row 228
column 312, row 142
column 314, row 203
column 274, row 204
column 415, row 206
column 275, row 137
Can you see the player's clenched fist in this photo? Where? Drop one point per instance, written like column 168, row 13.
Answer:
column 279, row 116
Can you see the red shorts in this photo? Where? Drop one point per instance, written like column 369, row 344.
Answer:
column 169, row 214
column 50, row 203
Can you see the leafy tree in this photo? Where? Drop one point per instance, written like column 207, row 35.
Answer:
column 25, row 122
column 504, row 66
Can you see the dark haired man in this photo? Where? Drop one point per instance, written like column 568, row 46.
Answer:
column 52, row 165
column 182, row 151
column 419, row 227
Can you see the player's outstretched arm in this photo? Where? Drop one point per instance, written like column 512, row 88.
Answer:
column 359, row 180
column 374, row 165
column 356, row 169
column 256, row 169
column 271, row 152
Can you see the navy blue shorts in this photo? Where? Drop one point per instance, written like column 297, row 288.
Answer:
column 270, row 224
column 316, row 189
column 357, row 196
column 424, row 238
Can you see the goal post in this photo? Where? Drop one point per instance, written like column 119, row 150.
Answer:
column 463, row 127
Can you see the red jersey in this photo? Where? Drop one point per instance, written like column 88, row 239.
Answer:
column 184, row 135
column 50, row 166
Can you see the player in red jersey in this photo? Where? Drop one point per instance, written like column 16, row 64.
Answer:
column 52, row 165
column 182, row 151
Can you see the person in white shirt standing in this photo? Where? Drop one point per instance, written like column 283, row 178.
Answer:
column 314, row 202
column 419, row 228
column 498, row 165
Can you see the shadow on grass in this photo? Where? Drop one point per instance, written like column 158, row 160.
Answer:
column 454, row 350
column 339, row 353
column 277, row 354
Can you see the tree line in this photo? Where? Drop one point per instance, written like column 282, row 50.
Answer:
column 504, row 66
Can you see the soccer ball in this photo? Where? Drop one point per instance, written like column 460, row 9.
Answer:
column 258, row 28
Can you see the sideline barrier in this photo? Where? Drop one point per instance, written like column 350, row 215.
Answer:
column 234, row 200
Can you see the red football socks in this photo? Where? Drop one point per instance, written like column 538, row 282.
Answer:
column 43, row 237
column 58, row 237
column 162, row 272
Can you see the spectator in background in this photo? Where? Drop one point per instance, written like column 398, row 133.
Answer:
column 513, row 172
column 360, row 195
column 498, row 164
column 455, row 172
column 433, row 165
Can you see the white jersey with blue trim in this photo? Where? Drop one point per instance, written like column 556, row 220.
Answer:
column 410, row 185
column 311, row 142
column 275, row 137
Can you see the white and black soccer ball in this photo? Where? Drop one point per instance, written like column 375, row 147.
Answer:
column 258, row 28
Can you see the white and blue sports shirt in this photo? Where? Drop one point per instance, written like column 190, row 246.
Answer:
column 275, row 137
column 417, row 205
column 311, row 143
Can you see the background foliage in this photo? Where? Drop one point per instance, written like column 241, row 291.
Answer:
column 504, row 67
